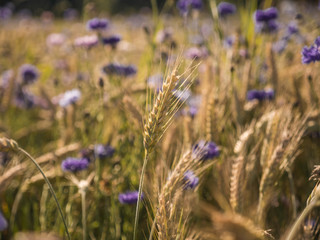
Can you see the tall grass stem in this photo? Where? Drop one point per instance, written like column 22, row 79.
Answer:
column 50, row 187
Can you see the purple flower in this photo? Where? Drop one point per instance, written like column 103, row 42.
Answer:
column 196, row 4
column 28, row 73
column 292, row 29
column 129, row 197
column 70, row 97
column 3, row 222
column 74, row 164
column 312, row 53
column 86, row 41
column 196, row 53
column 190, row 180
column 112, row 40
column 206, row 150
column 225, row 8
column 103, row 151
column 260, row 94
column 118, row 69
column 97, row 24
column 185, row 5
column 266, row 15
column 266, row 20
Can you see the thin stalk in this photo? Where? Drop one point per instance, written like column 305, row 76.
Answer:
column 136, row 220
column 295, row 228
column 50, row 187
column 84, row 214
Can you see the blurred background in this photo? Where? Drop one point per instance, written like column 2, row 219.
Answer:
column 59, row 7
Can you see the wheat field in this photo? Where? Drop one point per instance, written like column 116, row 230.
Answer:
column 193, row 120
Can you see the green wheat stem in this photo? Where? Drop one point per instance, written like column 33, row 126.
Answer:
column 50, row 187
column 140, row 193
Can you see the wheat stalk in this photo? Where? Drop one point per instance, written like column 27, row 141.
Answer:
column 160, row 118
column 7, row 145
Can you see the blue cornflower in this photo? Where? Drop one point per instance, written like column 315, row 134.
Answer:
column 196, row 4
column 71, row 164
column 129, row 197
column 112, row 40
column 97, row 24
column 28, row 73
column 118, row 69
column 70, row 97
column 103, row 151
column 312, row 53
column 225, row 8
column 185, row 5
column 266, row 20
column 260, row 94
column 266, row 15
column 3, row 222
column 190, row 180
column 206, row 150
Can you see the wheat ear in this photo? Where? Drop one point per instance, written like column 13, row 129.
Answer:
column 156, row 120
column 159, row 119
column 236, row 183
